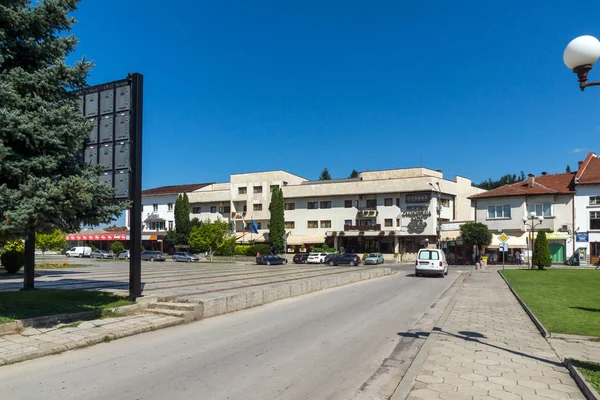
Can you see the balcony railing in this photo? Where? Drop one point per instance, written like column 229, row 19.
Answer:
column 376, row 227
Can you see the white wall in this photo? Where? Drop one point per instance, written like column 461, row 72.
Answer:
column 163, row 210
column 582, row 213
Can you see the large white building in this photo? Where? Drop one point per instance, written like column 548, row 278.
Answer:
column 587, row 208
column 391, row 211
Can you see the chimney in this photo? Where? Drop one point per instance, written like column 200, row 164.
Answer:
column 579, row 165
column 530, row 180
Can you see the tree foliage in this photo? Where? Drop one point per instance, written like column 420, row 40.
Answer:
column 44, row 181
column 353, row 174
column 325, row 175
column 181, row 234
column 117, row 247
column 50, row 241
column 541, row 252
column 504, row 180
column 476, row 234
column 568, row 169
column 212, row 237
column 277, row 222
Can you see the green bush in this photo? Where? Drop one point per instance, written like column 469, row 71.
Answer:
column 13, row 260
column 117, row 247
column 227, row 250
column 541, row 252
column 94, row 248
column 325, row 249
column 241, row 249
column 258, row 248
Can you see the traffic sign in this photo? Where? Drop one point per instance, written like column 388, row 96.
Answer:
column 503, row 237
column 503, row 247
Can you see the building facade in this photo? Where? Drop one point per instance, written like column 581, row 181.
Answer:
column 551, row 197
column 587, row 208
column 391, row 211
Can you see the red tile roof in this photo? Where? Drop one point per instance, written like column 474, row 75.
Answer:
column 544, row 184
column 174, row 189
column 589, row 172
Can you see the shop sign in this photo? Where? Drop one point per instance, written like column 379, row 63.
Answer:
column 582, row 237
column 418, row 198
column 153, row 215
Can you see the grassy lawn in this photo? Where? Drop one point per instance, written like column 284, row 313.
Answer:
column 565, row 301
column 591, row 371
column 38, row 303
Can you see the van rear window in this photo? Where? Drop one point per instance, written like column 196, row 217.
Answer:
column 429, row 255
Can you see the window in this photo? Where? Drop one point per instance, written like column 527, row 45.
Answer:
column 325, row 224
column 290, row 224
column 156, row 226
column 313, row 224
column 196, row 210
column 242, row 190
column 495, row 212
column 221, row 209
column 245, row 208
column 258, row 225
column 171, row 225
column 170, row 206
column 155, row 207
column 257, row 189
column 348, row 222
column 325, row 204
column 398, row 222
column 213, row 209
column 313, row 205
column 445, row 202
column 227, row 209
column 389, row 222
column 397, row 201
column 289, row 206
column 347, row 203
column 540, row 209
column 595, row 220
column 388, row 202
column 257, row 207
column 594, row 200
column 428, row 255
column 273, row 187
column 372, row 203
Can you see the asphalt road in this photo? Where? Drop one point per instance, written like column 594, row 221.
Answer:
column 319, row 346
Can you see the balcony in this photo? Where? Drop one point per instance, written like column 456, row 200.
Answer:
column 349, row 228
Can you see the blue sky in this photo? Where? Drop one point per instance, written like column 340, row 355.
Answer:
column 475, row 88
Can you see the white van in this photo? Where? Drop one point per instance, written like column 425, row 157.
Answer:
column 431, row 262
column 79, row 251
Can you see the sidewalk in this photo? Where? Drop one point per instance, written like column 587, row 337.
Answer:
column 488, row 348
column 33, row 343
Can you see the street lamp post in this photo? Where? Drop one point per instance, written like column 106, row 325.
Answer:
column 580, row 55
column 531, row 221
column 438, row 207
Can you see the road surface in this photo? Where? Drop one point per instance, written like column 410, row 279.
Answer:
column 319, row 346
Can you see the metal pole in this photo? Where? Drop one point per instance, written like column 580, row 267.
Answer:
column 29, row 273
column 503, row 252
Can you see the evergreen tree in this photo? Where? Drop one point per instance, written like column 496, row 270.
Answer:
column 568, row 169
column 277, row 223
column 44, row 182
column 353, row 174
column 541, row 252
column 325, row 175
column 180, row 236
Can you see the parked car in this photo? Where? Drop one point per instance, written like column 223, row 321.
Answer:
column 185, row 257
column 124, row 255
column 316, row 258
column 101, row 254
column 300, row 258
column 431, row 262
column 79, row 251
column 373, row 258
column 329, row 257
column 270, row 259
column 345, row 259
column 153, row 255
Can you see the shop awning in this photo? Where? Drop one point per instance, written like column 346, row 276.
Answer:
column 296, row 240
column 514, row 241
column 155, row 220
column 105, row 236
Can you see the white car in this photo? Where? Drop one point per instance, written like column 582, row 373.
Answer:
column 431, row 262
column 316, row 258
column 79, row 251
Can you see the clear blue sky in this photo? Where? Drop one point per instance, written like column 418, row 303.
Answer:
column 475, row 88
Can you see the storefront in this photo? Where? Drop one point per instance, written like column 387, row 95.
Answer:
column 103, row 240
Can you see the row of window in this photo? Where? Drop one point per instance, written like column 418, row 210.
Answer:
column 155, row 207
column 213, row 209
column 158, row 226
column 327, row 224
column 255, row 189
column 503, row 211
column 370, row 204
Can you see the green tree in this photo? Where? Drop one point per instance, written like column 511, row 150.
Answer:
column 277, row 223
column 325, row 175
column 117, row 247
column 353, row 174
column 50, row 241
column 212, row 237
column 44, row 182
column 476, row 234
column 568, row 169
column 541, row 252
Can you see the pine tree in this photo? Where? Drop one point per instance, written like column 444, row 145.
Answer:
column 541, row 252
column 353, row 174
column 568, row 169
column 181, row 234
column 277, row 223
column 44, row 182
column 325, row 175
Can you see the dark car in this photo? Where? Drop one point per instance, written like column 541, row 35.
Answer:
column 153, row 255
column 345, row 259
column 270, row 259
column 330, row 257
column 300, row 258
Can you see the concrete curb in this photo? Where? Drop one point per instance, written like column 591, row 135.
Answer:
column 406, row 384
column 588, row 390
column 566, row 336
column 545, row 333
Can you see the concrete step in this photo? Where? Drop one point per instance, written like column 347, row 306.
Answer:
column 165, row 305
column 173, row 313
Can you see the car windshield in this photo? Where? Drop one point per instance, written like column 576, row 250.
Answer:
column 429, row 255
column 374, row 255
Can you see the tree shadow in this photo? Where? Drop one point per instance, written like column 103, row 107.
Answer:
column 469, row 336
column 587, row 309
